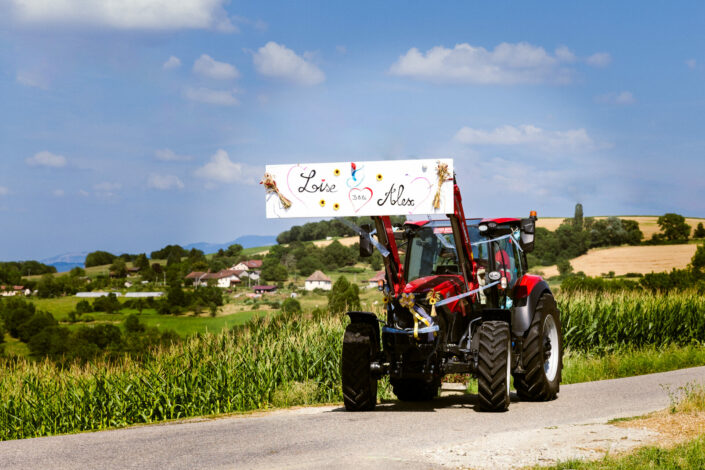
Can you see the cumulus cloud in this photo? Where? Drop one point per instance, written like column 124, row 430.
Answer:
column 599, row 59
column 172, row 62
column 106, row 189
column 572, row 139
column 208, row 67
column 277, row 61
column 32, row 79
column 505, row 64
column 215, row 97
column 564, row 54
column 168, row 155
column 45, row 158
column 621, row 98
column 691, row 63
column 164, row 182
column 126, row 14
column 4, row 191
column 223, row 170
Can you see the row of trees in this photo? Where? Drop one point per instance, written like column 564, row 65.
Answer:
column 11, row 272
column 327, row 228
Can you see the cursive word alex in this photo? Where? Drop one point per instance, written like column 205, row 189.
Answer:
column 395, row 197
column 309, row 187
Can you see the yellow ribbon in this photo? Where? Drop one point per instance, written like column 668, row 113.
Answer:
column 443, row 173
column 271, row 187
column 432, row 297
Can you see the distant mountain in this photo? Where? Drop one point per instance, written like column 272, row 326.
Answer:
column 247, row 241
column 67, row 261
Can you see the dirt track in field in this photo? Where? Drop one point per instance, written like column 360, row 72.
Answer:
column 628, row 259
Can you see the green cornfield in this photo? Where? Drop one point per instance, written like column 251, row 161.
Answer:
column 279, row 361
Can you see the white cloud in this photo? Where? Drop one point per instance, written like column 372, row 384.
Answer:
column 622, row 98
column 599, row 59
column 277, row 61
column 106, row 189
column 58, row 193
column 32, row 79
column 211, row 68
column 564, row 54
column 45, row 158
column 221, row 169
column 172, row 62
column 691, row 63
column 127, row 14
column 168, row 155
column 572, row 139
column 208, row 96
column 505, row 64
column 164, row 182
column 4, row 191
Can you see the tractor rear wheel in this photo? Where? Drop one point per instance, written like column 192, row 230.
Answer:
column 493, row 367
column 542, row 354
column 360, row 346
column 415, row 389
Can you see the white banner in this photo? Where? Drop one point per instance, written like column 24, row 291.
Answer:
column 393, row 187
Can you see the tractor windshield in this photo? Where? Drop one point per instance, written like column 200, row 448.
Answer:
column 431, row 251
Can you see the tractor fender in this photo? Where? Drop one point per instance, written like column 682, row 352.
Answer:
column 526, row 295
column 365, row 317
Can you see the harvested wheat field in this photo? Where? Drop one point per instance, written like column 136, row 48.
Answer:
column 346, row 241
column 647, row 223
column 628, row 259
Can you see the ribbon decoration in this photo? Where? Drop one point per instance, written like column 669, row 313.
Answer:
column 432, row 297
column 382, row 250
column 442, row 171
column 271, row 187
column 465, row 294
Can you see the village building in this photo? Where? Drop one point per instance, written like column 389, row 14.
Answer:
column 264, row 289
column 11, row 291
column 374, row 283
column 318, row 280
column 249, row 265
column 223, row 279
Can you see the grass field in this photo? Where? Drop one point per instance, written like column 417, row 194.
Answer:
column 628, row 259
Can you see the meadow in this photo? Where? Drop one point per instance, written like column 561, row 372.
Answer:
column 286, row 360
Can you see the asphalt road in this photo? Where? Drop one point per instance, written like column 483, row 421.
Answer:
column 395, row 436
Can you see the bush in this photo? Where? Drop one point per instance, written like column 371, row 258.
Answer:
column 107, row 304
column 83, row 306
column 291, row 306
column 344, row 296
column 133, row 325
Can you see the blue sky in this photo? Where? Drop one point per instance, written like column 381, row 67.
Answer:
column 127, row 125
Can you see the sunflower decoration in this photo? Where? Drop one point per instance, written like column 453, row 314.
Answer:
column 322, row 202
column 336, row 206
column 336, row 172
column 379, row 176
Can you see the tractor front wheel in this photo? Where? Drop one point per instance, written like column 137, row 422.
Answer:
column 542, row 354
column 493, row 366
column 360, row 346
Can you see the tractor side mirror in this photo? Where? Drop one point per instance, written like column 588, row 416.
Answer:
column 528, row 229
column 366, row 247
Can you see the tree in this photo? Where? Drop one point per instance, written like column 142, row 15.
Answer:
column 99, row 258
column 291, row 306
column 142, row 262
column 698, row 261
column 344, row 296
column 674, row 227
column 564, row 267
column 272, row 270
column 234, row 250
column 578, row 217
column 699, row 231
column 77, row 272
column 118, row 268
column 308, row 265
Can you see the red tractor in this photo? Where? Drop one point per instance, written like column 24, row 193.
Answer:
column 460, row 301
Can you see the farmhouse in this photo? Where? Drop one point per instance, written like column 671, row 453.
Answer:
column 249, row 265
column 317, row 280
column 10, row 291
column 374, row 282
column 224, row 279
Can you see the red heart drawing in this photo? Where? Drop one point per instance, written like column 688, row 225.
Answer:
column 359, row 197
column 417, row 182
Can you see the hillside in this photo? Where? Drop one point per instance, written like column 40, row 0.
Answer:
column 628, row 259
column 647, row 223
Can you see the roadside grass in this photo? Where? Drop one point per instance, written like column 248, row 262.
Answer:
column 682, row 421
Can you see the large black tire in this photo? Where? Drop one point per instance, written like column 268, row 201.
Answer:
column 415, row 389
column 494, row 362
column 360, row 346
column 542, row 379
